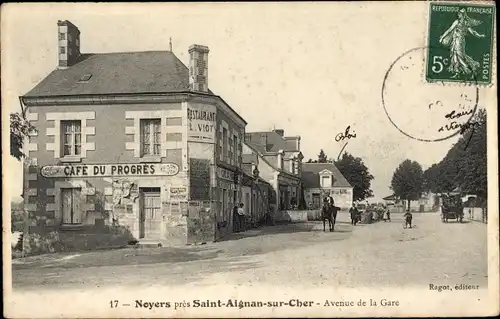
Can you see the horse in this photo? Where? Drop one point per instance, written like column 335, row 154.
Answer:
column 329, row 212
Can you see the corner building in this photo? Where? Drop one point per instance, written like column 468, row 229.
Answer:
column 130, row 141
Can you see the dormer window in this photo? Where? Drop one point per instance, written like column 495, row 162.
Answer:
column 326, row 181
column 326, row 178
column 85, row 78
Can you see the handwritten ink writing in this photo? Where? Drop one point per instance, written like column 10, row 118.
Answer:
column 455, row 126
column 345, row 135
column 455, row 115
column 470, row 125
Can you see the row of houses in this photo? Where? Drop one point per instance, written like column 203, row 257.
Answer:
column 138, row 140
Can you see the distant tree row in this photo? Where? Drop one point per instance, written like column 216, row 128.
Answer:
column 464, row 168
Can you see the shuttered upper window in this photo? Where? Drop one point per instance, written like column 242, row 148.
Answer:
column 150, row 137
column 71, row 134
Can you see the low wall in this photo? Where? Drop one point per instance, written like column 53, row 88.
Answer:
column 85, row 238
column 297, row 215
column 475, row 214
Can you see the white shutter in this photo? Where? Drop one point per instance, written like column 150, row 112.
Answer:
column 221, row 143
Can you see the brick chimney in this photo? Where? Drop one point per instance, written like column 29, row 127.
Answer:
column 263, row 140
column 280, row 156
column 293, row 141
column 198, row 68
column 68, row 49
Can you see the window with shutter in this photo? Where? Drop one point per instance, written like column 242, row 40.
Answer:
column 225, row 143
column 235, row 150
column 71, row 138
column 150, row 137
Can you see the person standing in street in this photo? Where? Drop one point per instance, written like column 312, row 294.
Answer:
column 354, row 214
column 388, row 213
column 241, row 217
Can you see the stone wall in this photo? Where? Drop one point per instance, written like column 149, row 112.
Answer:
column 50, row 240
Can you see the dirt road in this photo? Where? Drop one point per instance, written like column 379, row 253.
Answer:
column 377, row 255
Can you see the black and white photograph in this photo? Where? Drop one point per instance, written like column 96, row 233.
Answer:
column 249, row 159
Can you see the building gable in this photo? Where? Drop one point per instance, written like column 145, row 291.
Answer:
column 325, row 172
column 312, row 173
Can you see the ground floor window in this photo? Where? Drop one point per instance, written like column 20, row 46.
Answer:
column 284, row 198
column 247, row 203
column 316, row 200
column 220, row 206
column 224, row 205
column 71, row 205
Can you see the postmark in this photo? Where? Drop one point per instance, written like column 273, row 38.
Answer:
column 460, row 41
column 424, row 111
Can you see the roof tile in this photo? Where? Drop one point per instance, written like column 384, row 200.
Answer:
column 117, row 73
column 310, row 175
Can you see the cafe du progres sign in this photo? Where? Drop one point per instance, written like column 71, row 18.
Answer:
column 107, row 170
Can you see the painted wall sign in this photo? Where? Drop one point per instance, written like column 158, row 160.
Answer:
column 97, row 170
column 201, row 123
column 340, row 191
column 225, row 174
column 226, row 185
column 178, row 193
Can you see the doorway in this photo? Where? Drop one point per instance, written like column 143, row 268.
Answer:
column 316, row 201
column 71, row 210
column 150, row 213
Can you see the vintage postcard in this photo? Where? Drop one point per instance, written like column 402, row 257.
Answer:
column 328, row 159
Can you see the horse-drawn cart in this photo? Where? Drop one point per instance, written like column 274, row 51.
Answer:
column 452, row 208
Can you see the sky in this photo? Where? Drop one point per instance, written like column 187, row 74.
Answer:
column 311, row 69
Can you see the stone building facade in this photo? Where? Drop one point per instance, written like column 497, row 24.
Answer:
column 279, row 161
column 134, row 141
column 321, row 178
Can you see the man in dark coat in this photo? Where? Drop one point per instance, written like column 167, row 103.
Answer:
column 354, row 214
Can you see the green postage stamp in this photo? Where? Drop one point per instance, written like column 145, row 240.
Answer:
column 460, row 43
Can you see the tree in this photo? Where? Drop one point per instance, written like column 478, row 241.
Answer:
column 19, row 130
column 472, row 165
column 408, row 181
column 356, row 173
column 465, row 164
column 322, row 158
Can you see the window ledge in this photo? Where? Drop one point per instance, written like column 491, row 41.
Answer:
column 71, row 159
column 72, row 226
column 151, row 159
